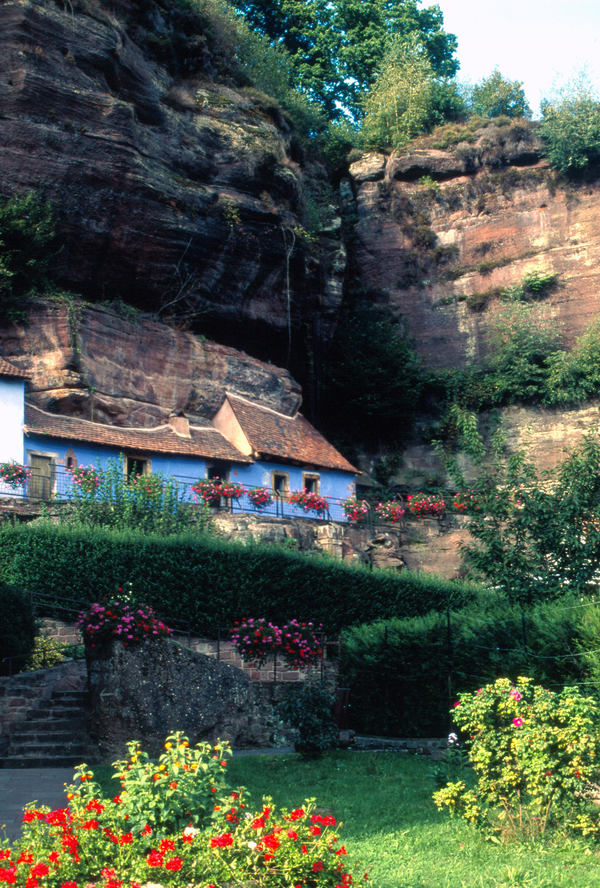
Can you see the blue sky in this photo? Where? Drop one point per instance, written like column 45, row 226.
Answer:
column 530, row 40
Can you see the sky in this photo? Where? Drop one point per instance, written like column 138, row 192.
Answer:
column 534, row 41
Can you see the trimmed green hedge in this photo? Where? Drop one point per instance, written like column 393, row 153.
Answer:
column 213, row 583
column 404, row 675
column 17, row 628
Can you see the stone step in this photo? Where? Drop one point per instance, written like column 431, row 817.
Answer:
column 58, row 735
column 76, row 722
column 49, row 761
column 33, row 748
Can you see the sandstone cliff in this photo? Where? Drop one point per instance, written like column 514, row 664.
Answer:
column 439, row 232
column 175, row 193
column 130, row 370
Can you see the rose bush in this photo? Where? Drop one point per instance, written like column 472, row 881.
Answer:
column 355, row 509
column 105, row 843
column 86, row 479
column 421, row 505
column 390, row 512
column 260, row 497
column 534, row 753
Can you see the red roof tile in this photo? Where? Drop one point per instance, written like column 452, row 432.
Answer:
column 203, row 442
column 7, row 369
column 287, row 438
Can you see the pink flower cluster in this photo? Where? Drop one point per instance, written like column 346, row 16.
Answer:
column 86, row 478
column 114, row 619
column 465, row 501
column 211, row 490
column 297, row 643
column 260, row 497
column 422, row 505
column 310, row 502
column 355, row 509
column 14, row 475
column 391, row 512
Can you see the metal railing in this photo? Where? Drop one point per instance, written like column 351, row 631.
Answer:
column 58, row 487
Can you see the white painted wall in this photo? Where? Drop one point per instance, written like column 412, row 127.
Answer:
column 12, row 418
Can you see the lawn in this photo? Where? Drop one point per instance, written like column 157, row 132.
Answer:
column 392, row 828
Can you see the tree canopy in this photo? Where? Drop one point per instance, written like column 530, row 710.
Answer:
column 497, row 96
column 571, row 124
column 338, row 46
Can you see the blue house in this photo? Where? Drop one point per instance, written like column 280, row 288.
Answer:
column 246, row 443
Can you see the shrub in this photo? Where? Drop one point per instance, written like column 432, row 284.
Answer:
column 421, row 505
column 570, row 124
column 310, row 711
column 534, row 753
column 390, row 512
column 17, row 628
column 174, row 823
column 46, row 652
column 112, row 618
column 496, row 96
column 355, row 509
column 415, row 662
column 211, row 582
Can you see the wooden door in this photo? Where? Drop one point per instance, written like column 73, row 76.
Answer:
column 40, row 483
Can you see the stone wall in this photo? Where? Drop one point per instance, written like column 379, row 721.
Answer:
column 161, row 686
column 19, row 694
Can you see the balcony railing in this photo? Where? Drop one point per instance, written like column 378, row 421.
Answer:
column 57, row 486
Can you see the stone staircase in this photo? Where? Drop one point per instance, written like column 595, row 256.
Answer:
column 53, row 735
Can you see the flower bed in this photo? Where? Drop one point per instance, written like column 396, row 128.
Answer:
column 259, row 640
column 14, row 475
column 174, row 823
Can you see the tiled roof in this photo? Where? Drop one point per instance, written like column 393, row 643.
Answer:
column 288, row 438
column 203, row 442
column 7, row 369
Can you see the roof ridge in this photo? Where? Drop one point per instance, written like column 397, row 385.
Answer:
column 261, row 406
column 103, row 425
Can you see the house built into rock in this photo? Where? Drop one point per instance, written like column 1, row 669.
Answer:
column 245, row 443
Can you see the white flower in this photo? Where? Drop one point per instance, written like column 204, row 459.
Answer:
column 251, row 845
column 190, row 831
column 452, row 739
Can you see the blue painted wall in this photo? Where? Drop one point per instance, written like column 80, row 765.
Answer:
column 12, row 399
column 333, row 484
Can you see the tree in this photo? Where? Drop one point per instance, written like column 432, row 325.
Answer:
column 338, row 45
column 535, row 534
column 399, row 102
column 571, row 124
column 496, row 96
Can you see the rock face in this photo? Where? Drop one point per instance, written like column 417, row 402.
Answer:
column 439, row 232
column 174, row 193
column 158, row 687
column 95, row 363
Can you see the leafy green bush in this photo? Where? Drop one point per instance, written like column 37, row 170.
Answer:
column 534, row 752
column 27, row 247
column 571, row 124
column 17, row 628
column 47, row 652
column 415, row 663
column 110, row 498
column 496, row 96
column 310, row 711
column 213, row 583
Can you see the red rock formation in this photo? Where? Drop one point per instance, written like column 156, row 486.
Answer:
column 488, row 214
column 172, row 194
column 91, row 362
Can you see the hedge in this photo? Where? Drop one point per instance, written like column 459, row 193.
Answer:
column 211, row 582
column 404, row 674
column 17, row 628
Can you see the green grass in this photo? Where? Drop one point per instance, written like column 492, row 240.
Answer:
column 392, row 828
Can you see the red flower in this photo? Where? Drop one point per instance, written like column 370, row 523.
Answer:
column 94, row 806
column 53, row 856
column 167, row 845
column 292, row 835
column 174, row 863
column 173, row 785
column 91, row 824
column 222, row 841
column 146, row 830
column 39, row 870
column 154, row 858
column 297, row 814
column 126, row 839
column 315, row 830
column 69, row 885
column 304, row 849
column 317, row 866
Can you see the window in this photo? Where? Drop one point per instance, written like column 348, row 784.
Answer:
column 280, row 482
column 218, row 470
column 311, row 483
column 70, row 459
column 136, row 465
